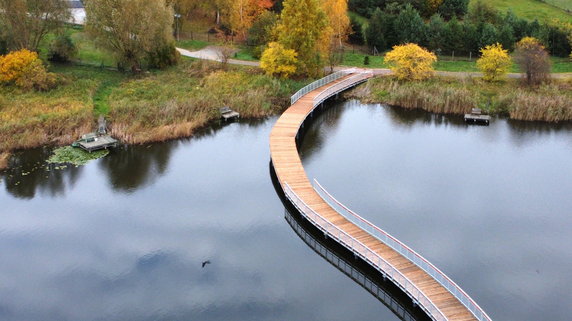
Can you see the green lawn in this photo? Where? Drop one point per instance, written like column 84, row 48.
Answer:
column 245, row 53
column 462, row 64
column 533, row 9
column 564, row 4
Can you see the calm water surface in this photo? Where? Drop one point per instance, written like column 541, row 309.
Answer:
column 490, row 206
column 123, row 238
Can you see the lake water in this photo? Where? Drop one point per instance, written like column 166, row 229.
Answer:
column 123, row 238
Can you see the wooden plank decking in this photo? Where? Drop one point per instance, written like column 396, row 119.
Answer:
column 289, row 169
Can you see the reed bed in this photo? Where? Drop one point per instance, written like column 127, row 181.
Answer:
column 4, row 158
column 176, row 103
column 550, row 102
column 154, row 106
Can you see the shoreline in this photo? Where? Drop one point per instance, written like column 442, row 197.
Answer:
column 441, row 95
column 550, row 103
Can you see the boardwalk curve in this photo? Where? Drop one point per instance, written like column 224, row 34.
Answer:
column 428, row 287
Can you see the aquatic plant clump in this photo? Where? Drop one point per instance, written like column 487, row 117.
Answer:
column 75, row 156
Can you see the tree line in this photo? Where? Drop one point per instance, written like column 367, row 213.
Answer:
column 451, row 27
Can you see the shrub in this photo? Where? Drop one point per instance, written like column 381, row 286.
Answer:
column 62, row 49
column 494, row 62
column 163, row 56
column 24, row 69
column 411, row 62
column 277, row 60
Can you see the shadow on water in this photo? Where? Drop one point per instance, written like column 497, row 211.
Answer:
column 136, row 166
column 128, row 167
column 318, row 126
column 353, row 267
column 132, row 167
column 408, row 118
column 28, row 173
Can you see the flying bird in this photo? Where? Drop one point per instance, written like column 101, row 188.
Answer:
column 205, row 263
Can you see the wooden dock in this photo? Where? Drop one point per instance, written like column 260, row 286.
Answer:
column 97, row 143
column 228, row 114
column 477, row 117
column 98, row 140
column 438, row 301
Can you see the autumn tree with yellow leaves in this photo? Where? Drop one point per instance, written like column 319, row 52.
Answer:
column 243, row 13
column 337, row 12
column 411, row 62
column 303, row 27
column 278, row 61
column 495, row 62
column 24, row 69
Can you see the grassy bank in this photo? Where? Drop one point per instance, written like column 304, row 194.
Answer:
column 544, row 11
column 31, row 119
column 176, row 102
column 153, row 106
column 551, row 102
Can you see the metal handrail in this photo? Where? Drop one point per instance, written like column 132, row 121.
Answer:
column 406, row 251
column 319, row 83
column 365, row 253
column 350, row 82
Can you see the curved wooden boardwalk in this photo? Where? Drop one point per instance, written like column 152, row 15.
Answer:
column 437, row 301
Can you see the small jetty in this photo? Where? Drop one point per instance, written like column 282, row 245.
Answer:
column 476, row 117
column 95, row 141
column 228, row 114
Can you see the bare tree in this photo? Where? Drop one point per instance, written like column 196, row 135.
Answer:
column 131, row 29
column 225, row 52
column 533, row 60
column 26, row 22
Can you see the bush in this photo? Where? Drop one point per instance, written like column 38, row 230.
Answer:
column 62, row 49
column 163, row 56
column 277, row 60
column 411, row 62
column 494, row 62
column 24, row 69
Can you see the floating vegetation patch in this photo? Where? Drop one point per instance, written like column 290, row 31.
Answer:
column 75, row 156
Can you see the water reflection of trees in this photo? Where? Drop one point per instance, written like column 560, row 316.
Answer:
column 28, row 174
column 523, row 132
column 132, row 167
column 407, row 118
column 321, row 124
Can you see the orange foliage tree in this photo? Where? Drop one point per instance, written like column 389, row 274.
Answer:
column 24, row 69
column 244, row 12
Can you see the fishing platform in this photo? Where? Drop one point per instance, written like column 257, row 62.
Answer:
column 95, row 141
column 228, row 114
column 477, row 117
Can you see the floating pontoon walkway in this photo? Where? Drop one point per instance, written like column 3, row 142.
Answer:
column 428, row 287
